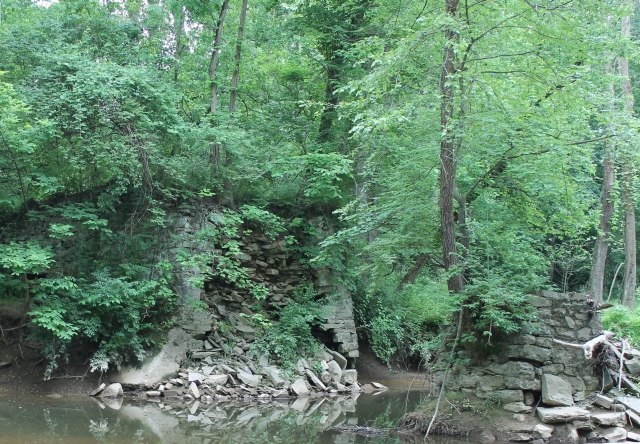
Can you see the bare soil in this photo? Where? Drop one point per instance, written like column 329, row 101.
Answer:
column 371, row 369
column 25, row 374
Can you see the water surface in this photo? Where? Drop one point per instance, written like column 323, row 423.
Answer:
column 305, row 420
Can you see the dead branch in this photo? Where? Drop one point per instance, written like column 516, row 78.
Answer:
column 589, row 346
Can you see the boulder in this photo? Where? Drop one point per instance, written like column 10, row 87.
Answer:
column 299, row 388
column 349, row 377
column 603, row 401
column 194, row 391
column 153, row 393
column 195, row 377
column 566, row 434
column 613, row 434
column 633, row 436
column 341, row 360
column 556, row 391
column 542, row 431
column 613, row 419
column 165, row 362
column 249, row 379
column 112, row 391
column 274, row 375
column 214, row 380
column 529, row 398
column 633, row 366
column 335, row 371
column 551, row 415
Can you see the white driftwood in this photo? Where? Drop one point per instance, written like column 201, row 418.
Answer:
column 589, row 346
column 620, row 375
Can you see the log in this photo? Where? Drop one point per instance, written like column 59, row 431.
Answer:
column 589, row 346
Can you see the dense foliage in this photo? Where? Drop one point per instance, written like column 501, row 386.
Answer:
column 112, row 114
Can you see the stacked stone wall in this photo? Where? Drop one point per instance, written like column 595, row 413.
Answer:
column 513, row 375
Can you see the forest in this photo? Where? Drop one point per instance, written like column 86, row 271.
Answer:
column 467, row 153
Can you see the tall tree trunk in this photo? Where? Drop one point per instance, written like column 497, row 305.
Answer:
column 448, row 154
column 215, row 58
column 599, row 261
column 178, row 30
column 236, row 69
column 601, row 250
column 629, row 292
column 213, row 74
column 330, row 101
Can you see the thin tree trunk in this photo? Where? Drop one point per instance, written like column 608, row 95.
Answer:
column 215, row 57
column 599, row 261
column 604, row 228
column 448, row 155
column 179, row 19
column 629, row 293
column 330, row 103
column 236, row 70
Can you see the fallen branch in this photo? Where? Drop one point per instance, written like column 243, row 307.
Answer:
column 620, row 375
column 589, row 346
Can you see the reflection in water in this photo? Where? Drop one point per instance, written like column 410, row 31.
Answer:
column 303, row 420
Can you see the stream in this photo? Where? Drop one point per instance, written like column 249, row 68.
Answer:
column 304, row 420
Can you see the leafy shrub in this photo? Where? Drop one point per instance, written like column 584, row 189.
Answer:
column 119, row 315
column 623, row 322
column 290, row 336
column 496, row 306
column 403, row 323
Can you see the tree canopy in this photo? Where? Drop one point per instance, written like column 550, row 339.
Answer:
column 461, row 148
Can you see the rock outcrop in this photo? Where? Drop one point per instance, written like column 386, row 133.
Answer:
column 224, row 329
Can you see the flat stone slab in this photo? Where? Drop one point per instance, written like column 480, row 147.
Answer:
column 315, row 380
column 249, row 379
column 517, row 407
column 633, row 436
column 552, row 415
column 603, row 401
column 631, row 403
column 214, row 380
column 610, row 419
column 613, row 434
column 634, row 418
column 556, row 391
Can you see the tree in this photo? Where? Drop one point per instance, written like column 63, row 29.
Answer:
column 448, row 77
column 627, row 184
column 236, row 67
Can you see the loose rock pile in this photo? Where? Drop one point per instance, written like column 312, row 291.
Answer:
column 239, row 375
column 600, row 418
